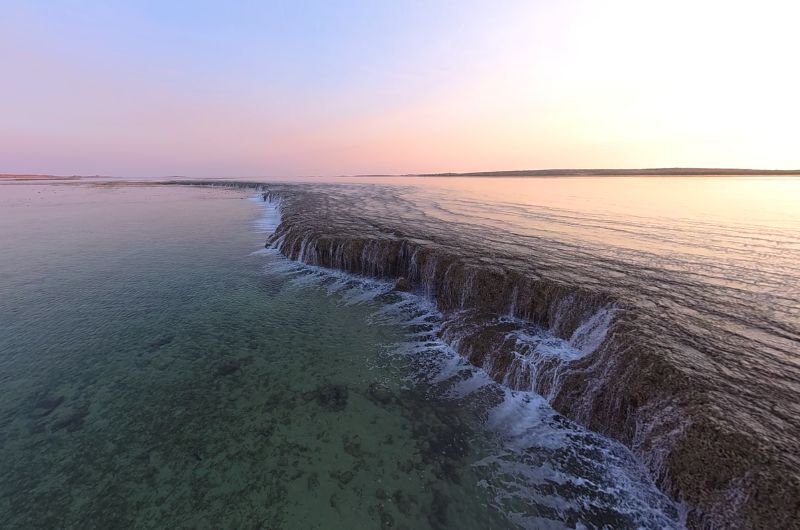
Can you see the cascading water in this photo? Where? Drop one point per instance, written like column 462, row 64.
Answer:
column 628, row 351
column 519, row 422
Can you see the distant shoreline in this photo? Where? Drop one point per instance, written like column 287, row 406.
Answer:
column 659, row 172
column 9, row 176
column 552, row 173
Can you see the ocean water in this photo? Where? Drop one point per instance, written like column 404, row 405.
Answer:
column 711, row 266
column 160, row 369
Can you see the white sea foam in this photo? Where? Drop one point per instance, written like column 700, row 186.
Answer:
column 271, row 217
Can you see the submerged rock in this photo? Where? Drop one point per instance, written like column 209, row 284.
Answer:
column 331, row 397
column 402, row 285
column 437, row 513
column 352, row 446
column 334, row 502
column 227, row 368
column 343, row 478
column 403, row 502
column 406, row 466
column 380, row 394
column 387, row 521
column 46, row 405
column 160, row 342
column 71, row 420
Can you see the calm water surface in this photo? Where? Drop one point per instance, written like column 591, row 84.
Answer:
column 159, row 369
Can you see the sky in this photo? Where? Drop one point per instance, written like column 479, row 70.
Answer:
column 291, row 88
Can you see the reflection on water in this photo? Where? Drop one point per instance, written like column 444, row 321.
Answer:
column 768, row 201
column 156, row 372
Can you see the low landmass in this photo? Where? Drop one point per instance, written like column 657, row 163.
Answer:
column 12, row 176
column 654, row 172
column 663, row 171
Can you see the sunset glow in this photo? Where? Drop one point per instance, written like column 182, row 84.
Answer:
column 279, row 88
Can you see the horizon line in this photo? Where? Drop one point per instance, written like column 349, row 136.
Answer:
column 551, row 172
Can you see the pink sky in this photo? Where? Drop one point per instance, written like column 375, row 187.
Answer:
column 137, row 89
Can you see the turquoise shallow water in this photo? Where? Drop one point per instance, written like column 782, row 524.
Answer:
column 159, row 370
